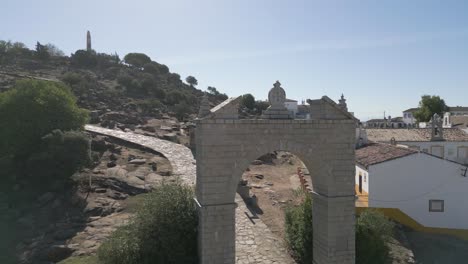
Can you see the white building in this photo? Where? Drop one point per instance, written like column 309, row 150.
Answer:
column 291, row 105
column 409, row 119
column 425, row 189
column 447, row 143
column 458, row 121
column 408, row 116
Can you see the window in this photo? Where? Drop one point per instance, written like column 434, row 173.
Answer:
column 436, row 205
column 365, row 177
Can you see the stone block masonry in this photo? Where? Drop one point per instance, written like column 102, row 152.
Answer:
column 225, row 148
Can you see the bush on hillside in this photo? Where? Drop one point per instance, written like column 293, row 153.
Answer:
column 299, row 231
column 10, row 52
column 182, row 111
column 174, row 97
column 84, row 59
column 164, row 230
column 373, row 230
column 59, row 156
column 31, row 110
column 151, row 106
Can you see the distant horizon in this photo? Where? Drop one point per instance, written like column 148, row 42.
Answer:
column 382, row 56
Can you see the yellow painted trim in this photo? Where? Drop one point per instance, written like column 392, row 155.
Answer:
column 404, row 219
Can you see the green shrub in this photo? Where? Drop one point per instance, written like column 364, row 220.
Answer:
column 299, row 231
column 84, row 58
column 72, row 78
column 174, row 97
column 164, row 230
column 182, row 110
column 33, row 109
column 373, row 230
column 248, row 101
column 137, row 59
column 151, row 68
column 59, row 156
column 150, row 106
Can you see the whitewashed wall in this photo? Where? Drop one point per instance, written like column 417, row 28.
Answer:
column 365, row 178
column 291, row 106
column 450, row 148
column 409, row 183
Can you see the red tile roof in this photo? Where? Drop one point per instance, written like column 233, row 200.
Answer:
column 375, row 153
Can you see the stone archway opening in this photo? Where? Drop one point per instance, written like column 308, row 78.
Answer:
column 271, row 185
column 226, row 145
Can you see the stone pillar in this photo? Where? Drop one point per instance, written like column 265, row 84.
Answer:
column 88, row 41
column 217, row 234
column 334, row 229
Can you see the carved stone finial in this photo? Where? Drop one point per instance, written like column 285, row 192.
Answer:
column 342, row 103
column 277, row 109
column 277, row 96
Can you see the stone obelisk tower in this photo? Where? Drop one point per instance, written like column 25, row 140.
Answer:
column 88, row 41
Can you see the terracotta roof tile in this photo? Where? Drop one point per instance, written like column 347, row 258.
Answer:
column 375, row 153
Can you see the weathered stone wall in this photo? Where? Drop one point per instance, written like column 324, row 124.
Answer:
column 225, row 148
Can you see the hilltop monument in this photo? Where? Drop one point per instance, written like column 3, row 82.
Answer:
column 88, row 41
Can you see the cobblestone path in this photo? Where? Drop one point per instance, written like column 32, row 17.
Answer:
column 255, row 243
column 180, row 157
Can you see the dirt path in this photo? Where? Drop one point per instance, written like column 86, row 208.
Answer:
column 275, row 185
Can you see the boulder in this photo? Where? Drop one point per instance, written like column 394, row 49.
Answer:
column 170, row 137
column 257, row 162
column 140, row 173
column 116, row 172
column 58, row 253
column 137, row 161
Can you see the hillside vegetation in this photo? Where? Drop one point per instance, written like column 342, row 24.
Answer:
column 129, row 91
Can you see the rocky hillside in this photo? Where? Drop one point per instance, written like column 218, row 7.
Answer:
column 124, row 93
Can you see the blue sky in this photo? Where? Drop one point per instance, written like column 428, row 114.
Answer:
column 383, row 55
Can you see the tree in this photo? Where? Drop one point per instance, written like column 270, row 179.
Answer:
column 41, row 51
column 54, row 51
column 31, row 110
column 84, row 58
column 212, row 90
column 182, row 110
column 248, row 101
column 137, row 59
column 191, row 80
column 428, row 106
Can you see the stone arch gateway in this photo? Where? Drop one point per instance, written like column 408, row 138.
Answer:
column 225, row 145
